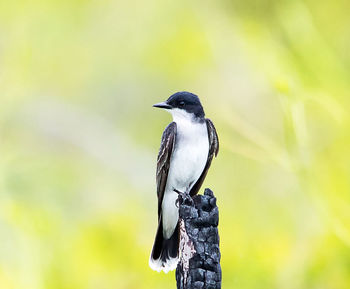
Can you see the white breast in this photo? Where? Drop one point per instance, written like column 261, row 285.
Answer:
column 189, row 156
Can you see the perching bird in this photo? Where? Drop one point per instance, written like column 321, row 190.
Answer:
column 187, row 148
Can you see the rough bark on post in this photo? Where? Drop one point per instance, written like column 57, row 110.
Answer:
column 199, row 265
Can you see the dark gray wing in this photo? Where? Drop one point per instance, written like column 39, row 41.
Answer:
column 213, row 150
column 163, row 161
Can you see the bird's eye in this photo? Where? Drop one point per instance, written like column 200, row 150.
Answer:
column 182, row 103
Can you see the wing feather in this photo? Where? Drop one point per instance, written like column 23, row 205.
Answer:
column 213, row 150
column 163, row 161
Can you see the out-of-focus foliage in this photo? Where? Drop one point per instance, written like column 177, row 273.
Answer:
column 79, row 138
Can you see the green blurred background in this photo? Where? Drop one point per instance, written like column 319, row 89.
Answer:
column 79, row 138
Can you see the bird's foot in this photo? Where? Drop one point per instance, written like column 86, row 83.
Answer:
column 184, row 196
column 177, row 200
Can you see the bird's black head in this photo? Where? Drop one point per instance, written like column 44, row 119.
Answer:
column 183, row 101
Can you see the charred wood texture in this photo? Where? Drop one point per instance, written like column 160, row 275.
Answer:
column 199, row 265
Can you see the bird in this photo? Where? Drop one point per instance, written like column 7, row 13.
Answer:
column 187, row 148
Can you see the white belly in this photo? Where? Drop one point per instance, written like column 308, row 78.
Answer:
column 186, row 166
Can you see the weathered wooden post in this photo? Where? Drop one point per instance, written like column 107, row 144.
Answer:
column 199, row 265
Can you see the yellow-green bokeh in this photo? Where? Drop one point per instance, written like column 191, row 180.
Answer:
column 79, row 138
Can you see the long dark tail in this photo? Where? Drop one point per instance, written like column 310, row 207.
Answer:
column 165, row 252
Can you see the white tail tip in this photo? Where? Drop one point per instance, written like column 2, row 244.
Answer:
column 168, row 265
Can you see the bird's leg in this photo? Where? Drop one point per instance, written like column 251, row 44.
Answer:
column 177, row 200
column 177, row 191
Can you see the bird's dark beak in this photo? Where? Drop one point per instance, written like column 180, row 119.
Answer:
column 162, row 105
